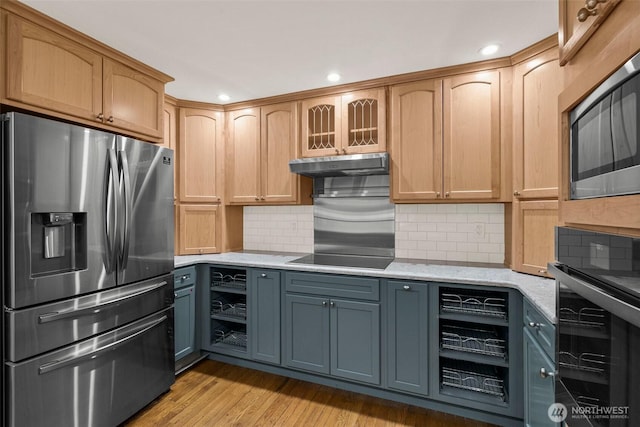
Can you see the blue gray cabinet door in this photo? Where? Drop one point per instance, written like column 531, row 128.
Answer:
column 539, row 392
column 355, row 340
column 307, row 330
column 184, row 321
column 264, row 315
column 408, row 346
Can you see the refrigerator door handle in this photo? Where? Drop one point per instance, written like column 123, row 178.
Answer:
column 126, row 202
column 112, row 184
column 92, row 354
column 96, row 308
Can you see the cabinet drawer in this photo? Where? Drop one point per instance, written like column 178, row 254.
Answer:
column 184, row 277
column 333, row 286
column 542, row 330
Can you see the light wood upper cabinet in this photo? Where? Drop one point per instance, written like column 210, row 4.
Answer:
column 262, row 141
column 537, row 84
column 578, row 22
column 364, row 118
column 62, row 76
column 278, row 145
column 48, row 70
column 349, row 124
column 533, row 225
column 243, row 156
column 170, row 123
column 131, row 100
column 200, row 154
column 321, row 126
column 445, row 139
column 200, row 229
column 471, row 136
column 416, row 141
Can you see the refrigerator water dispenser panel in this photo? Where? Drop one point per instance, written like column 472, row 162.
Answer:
column 58, row 242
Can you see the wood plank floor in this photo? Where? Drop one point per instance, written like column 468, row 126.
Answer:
column 218, row 394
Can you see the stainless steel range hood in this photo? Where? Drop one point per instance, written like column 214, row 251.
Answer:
column 349, row 165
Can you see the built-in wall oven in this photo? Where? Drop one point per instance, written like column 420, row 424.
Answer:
column 598, row 334
column 605, row 137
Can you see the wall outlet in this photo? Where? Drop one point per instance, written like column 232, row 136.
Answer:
column 479, row 231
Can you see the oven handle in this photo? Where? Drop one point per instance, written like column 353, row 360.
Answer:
column 615, row 306
column 96, row 308
column 92, row 354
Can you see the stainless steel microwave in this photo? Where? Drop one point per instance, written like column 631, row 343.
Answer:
column 605, row 138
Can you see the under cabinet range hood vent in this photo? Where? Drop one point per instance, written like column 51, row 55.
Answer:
column 349, row 165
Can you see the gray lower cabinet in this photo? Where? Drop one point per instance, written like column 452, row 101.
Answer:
column 333, row 336
column 184, row 311
column 539, row 392
column 478, row 335
column 307, row 330
column 539, row 367
column 408, row 335
column 264, row 315
column 355, row 340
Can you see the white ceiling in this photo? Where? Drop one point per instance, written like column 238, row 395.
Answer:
column 256, row 49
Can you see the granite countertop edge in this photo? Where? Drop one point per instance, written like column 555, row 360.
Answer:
column 539, row 291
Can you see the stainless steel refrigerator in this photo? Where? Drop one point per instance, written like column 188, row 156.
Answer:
column 87, row 256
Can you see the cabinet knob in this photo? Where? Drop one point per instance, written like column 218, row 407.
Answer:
column 446, row 194
column 332, row 304
column 591, row 4
column 337, row 151
column 344, row 151
column 110, row 119
column 263, row 198
column 545, row 374
column 406, row 287
column 324, row 303
column 584, row 13
column 185, row 277
column 257, row 198
column 535, row 325
column 542, row 271
column 175, row 294
column 516, row 193
column 263, row 275
column 437, row 194
column 100, row 117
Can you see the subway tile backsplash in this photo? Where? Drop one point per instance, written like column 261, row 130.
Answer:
column 278, row 228
column 451, row 232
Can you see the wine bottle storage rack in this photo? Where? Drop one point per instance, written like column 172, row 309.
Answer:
column 478, row 305
column 477, row 341
column 473, row 381
column 235, row 281
column 231, row 337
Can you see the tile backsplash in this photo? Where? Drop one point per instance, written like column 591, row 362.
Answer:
column 278, row 228
column 451, row 232
column 447, row 232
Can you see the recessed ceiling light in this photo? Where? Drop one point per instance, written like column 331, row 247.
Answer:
column 333, row 77
column 489, row 49
column 224, row 97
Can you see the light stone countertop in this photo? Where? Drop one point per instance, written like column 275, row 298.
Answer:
column 539, row 291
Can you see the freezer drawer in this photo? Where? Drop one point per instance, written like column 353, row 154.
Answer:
column 101, row 381
column 39, row 329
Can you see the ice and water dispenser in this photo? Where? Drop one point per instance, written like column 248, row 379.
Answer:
column 58, row 242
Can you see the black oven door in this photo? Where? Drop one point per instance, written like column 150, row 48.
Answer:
column 597, row 353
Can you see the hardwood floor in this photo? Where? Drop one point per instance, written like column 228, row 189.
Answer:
column 217, row 394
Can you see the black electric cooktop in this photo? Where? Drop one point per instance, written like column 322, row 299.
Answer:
column 356, row 261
